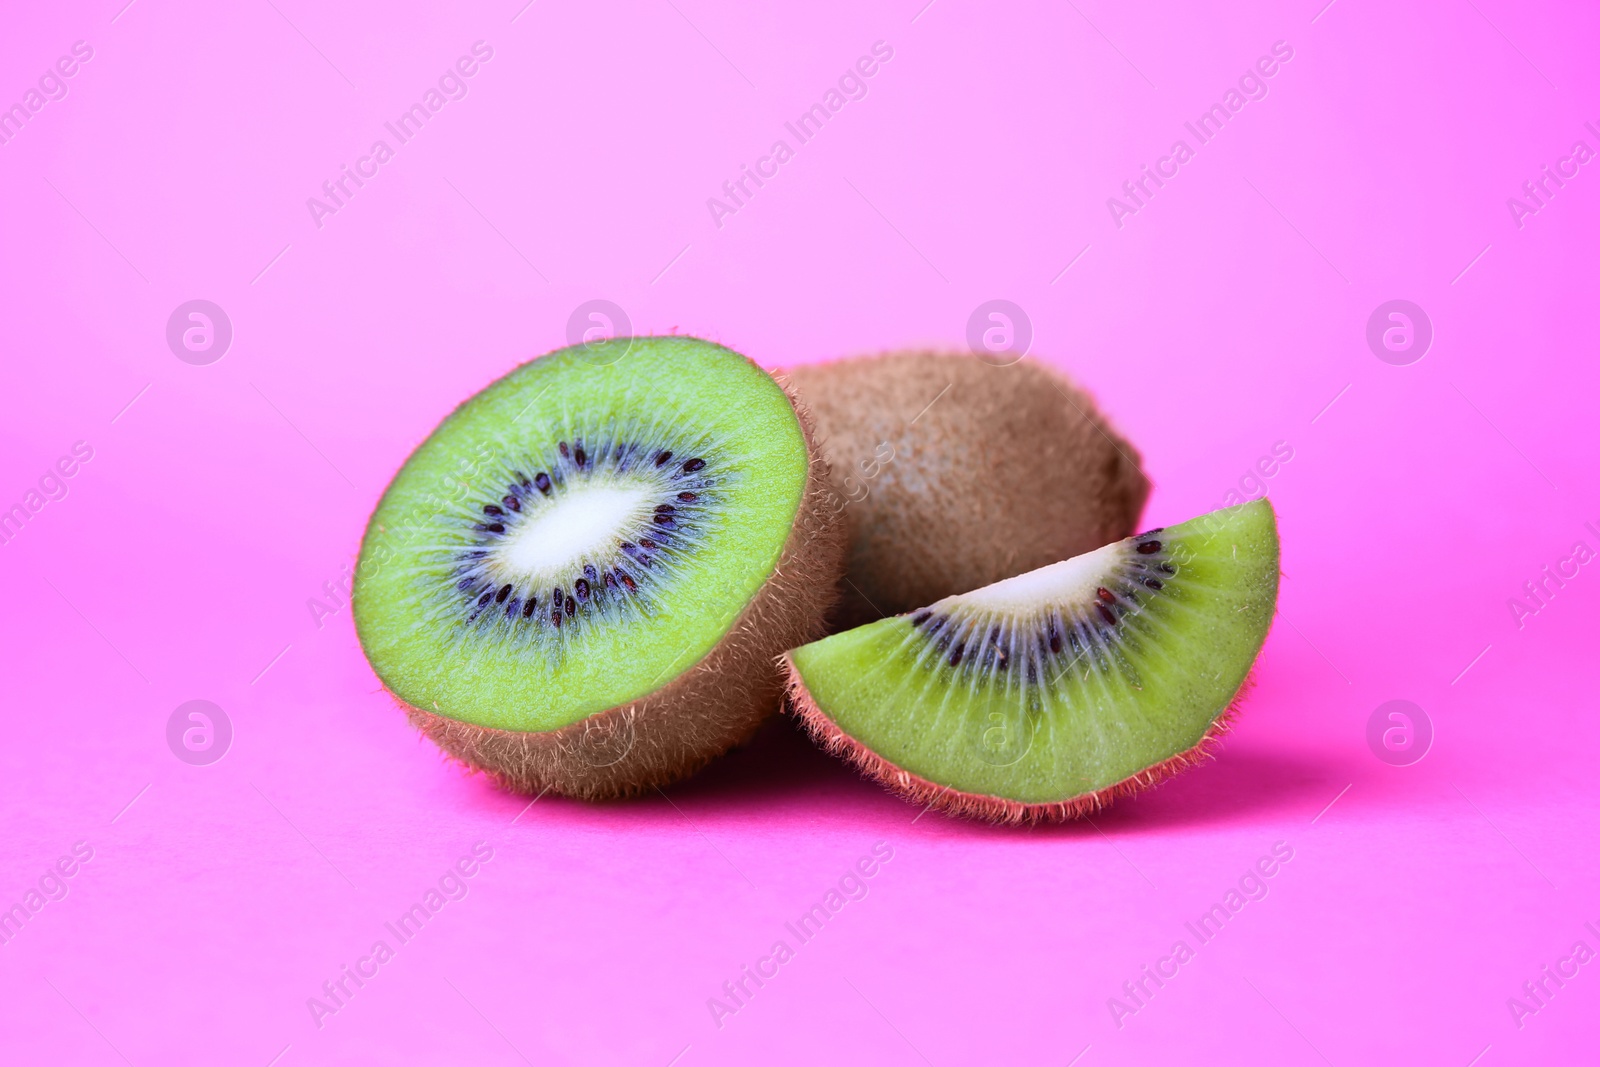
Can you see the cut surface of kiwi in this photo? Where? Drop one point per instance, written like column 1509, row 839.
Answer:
column 580, row 579
column 1046, row 695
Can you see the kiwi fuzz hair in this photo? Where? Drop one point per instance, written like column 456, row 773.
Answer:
column 711, row 707
column 980, row 807
column 991, row 471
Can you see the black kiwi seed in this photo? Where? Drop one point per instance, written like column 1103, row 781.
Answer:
column 921, row 617
column 510, row 500
column 556, row 594
column 527, row 609
column 1166, row 568
column 571, row 607
column 645, row 542
column 955, row 655
column 484, row 599
column 1147, row 547
column 1105, row 595
column 566, row 453
column 665, row 509
column 1153, row 583
column 590, row 573
column 611, row 580
column 687, row 498
column 694, row 465
column 662, row 457
column 511, row 608
column 579, row 455
column 662, row 519
column 581, row 587
column 1106, row 614
column 522, row 480
column 627, row 581
column 1055, row 642
column 555, row 616
column 630, row 548
column 490, row 509
column 505, row 591
column 542, row 480
column 490, row 527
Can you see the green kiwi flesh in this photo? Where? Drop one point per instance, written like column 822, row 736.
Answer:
column 1044, row 696
column 581, row 579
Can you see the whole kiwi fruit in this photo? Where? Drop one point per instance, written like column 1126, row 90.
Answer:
column 953, row 473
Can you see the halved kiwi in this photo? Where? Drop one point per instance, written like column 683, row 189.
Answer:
column 1047, row 695
column 582, row 579
column 953, row 473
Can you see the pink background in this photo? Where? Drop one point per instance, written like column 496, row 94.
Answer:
column 1226, row 316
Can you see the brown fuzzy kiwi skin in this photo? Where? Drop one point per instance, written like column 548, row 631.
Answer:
column 997, row 470
column 713, row 706
column 981, row 807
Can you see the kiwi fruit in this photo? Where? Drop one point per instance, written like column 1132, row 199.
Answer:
column 582, row 580
column 953, row 473
column 1045, row 696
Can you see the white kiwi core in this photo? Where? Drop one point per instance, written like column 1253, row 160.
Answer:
column 1071, row 580
column 581, row 523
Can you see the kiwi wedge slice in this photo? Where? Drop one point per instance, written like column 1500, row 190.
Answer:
column 1045, row 696
column 581, row 581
